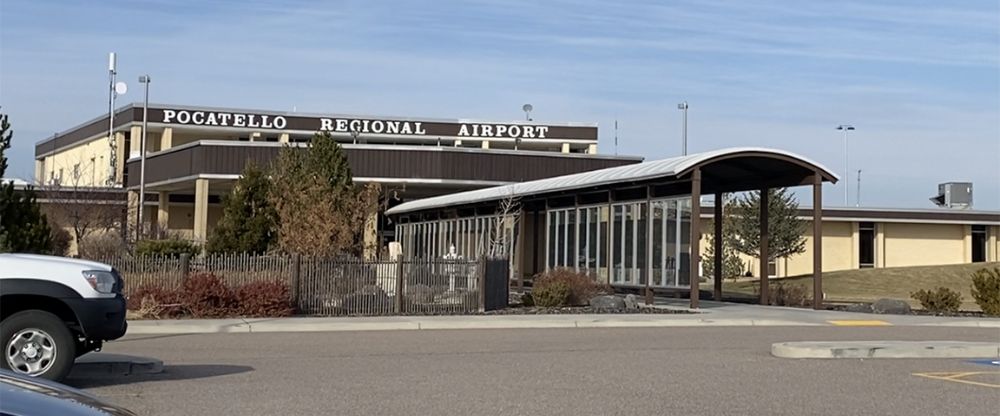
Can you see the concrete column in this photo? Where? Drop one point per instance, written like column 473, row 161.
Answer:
column 200, row 210
column 135, row 141
column 992, row 251
column 370, row 237
column 966, row 244
column 565, row 147
column 855, row 241
column 592, row 149
column 167, row 138
column 121, row 154
column 486, row 144
column 879, row 245
column 458, row 143
column 40, row 171
column 163, row 211
column 283, row 138
column 255, row 136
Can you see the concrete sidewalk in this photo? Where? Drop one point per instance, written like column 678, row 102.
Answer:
column 711, row 314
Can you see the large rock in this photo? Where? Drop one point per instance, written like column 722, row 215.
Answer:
column 631, row 302
column 607, row 302
column 891, row 306
column 859, row 307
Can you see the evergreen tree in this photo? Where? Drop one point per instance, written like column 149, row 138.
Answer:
column 785, row 229
column 23, row 227
column 249, row 222
column 732, row 264
column 320, row 210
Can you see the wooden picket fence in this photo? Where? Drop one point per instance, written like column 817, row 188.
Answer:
column 341, row 286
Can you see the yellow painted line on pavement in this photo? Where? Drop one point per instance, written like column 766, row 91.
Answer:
column 859, row 322
column 959, row 377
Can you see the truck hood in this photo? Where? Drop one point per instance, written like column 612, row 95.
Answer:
column 34, row 261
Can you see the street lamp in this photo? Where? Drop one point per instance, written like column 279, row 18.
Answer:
column 144, row 80
column 847, row 163
column 684, row 132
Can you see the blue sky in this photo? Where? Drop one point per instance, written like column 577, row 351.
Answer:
column 919, row 79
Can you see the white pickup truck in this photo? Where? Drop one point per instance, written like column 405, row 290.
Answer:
column 55, row 309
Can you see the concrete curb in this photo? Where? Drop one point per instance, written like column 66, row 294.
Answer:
column 886, row 349
column 412, row 324
column 99, row 364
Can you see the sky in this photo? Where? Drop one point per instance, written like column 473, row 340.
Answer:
column 920, row 80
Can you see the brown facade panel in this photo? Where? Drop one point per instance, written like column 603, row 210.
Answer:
column 404, row 163
column 93, row 128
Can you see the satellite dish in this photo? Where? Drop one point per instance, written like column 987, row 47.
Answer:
column 527, row 108
column 121, row 88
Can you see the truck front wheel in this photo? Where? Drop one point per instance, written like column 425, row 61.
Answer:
column 38, row 344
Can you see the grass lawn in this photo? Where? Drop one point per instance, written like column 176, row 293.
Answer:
column 866, row 285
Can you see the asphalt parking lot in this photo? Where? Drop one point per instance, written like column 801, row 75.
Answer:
column 683, row 371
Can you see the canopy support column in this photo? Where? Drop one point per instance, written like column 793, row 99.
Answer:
column 817, row 241
column 765, row 290
column 717, row 261
column 695, row 255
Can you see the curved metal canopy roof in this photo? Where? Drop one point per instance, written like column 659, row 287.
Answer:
column 734, row 165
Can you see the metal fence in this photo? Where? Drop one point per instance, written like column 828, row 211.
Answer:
column 341, row 287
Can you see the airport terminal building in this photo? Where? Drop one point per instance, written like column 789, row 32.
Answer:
column 195, row 154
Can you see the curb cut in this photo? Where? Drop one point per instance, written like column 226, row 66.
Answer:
column 886, row 349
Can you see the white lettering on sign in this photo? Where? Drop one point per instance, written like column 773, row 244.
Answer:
column 280, row 122
column 349, row 125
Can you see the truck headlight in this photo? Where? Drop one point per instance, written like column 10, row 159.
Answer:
column 101, row 281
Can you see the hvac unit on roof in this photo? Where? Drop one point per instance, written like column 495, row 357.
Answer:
column 954, row 195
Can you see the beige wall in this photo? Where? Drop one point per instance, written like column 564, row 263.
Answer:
column 92, row 157
column 924, row 244
column 839, row 250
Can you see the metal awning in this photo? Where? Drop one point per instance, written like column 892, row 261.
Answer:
column 723, row 170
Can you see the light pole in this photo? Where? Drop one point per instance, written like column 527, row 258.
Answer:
column 144, row 80
column 684, row 129
column 857, row 198
column 847, row 163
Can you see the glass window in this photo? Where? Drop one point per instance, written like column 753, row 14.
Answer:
column 551, row 218
column 979, row 239
column 866, row 244
column 684, row 254
column 617, row 246
column 602, row 243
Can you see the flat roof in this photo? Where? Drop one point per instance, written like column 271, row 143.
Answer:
column 165, row 115
column 653, row 170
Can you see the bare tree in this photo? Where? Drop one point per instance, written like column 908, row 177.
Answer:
column 503, row 226
column 72, row 202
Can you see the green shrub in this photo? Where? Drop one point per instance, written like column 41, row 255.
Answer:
column 986, row 290
column 781, row 294
column 789, row 295
column 581, row 286
column 551, row 295
column 527, row 300
column 173, row 248
column 938, row 300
